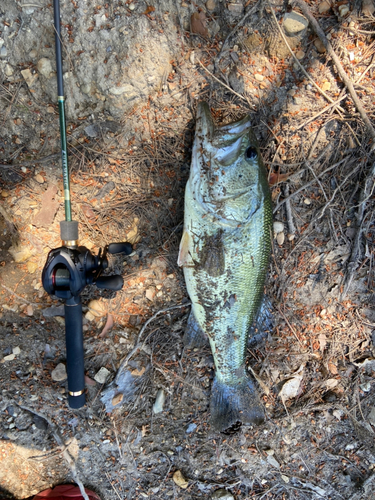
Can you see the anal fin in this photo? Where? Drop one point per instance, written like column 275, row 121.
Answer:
column 194, row 335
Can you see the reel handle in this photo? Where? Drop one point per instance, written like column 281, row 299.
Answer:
column 114, row 283
column 74, row 352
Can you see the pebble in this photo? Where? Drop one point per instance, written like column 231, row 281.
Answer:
column 50, row 110
column 39, row 178
column 3, row 52
column 132, row 6
column 300, row 54
column 44, row 66
column 280, row 238
column 150, row 293
column 8, row 70
column 272, row 461
column 102, row 375
column 59, row 373
column 278, row 227
column 307, row 201
column 326, row 86
column 191, row 428
column 222, row 494
column 9, row 357
column 319, row 46
column 32, row 267
column 210, row 5
column 159, row 402
column 236, row 8
column 258, row 77
column 294, row 23
column 324, row 7
column 5, row 193
column 29, row 310
column 33, row 53
column 343, row 10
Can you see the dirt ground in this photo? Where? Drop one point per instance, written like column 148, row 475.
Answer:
column 314, row 370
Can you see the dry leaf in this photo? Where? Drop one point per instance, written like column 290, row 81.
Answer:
column 138, row 373
column 277, row 178
column 179, row 479
column 198, row 24
column 331, row 383
column 117, row 399
column 108, row 326
column 322, row 341
column 332, row 368
column 149, row 9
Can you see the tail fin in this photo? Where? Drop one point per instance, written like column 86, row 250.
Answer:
column 194, row 335
column 234, row 405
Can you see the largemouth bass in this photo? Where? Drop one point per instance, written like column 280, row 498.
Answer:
column 224, row 251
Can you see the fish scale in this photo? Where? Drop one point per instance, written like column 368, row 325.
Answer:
column 224, row 252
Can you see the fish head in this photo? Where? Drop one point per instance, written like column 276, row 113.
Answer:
column 227, row 166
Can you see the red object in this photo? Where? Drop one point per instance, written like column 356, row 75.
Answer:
column 65, row 492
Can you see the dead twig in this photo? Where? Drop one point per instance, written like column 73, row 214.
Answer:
column 356, row 251
column 300, row 65
column 65, row 449
column 225, row 85
column 139, row 344
column 345, row 79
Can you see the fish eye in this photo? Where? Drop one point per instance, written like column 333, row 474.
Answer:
column 251, row 153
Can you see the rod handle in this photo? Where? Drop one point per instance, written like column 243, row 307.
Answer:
column 74, row 352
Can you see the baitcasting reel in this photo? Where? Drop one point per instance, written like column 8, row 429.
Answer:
column 67, row 271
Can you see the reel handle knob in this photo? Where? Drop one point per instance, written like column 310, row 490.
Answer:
column 125, row 248
column 114, row 283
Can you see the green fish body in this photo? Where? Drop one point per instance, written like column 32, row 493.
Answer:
column 224, row 252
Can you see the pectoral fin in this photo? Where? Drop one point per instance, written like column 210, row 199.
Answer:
column 184, row 257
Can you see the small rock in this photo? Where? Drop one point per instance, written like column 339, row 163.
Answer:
column 32, row 267
column 258, row 77
column 29, row 310
column 8, row 70
column 16, row 351
column 191, row 428
column 210, row 5
column 235, row 8
column 50, row 110
column 150, row 293
column 179, row 479
column 294, row 23
column 278, row 227
column 300, row 54
column 39, row 178
column 326, row 86
column 44, row 67
column 5, row 193
column 324, row 7
column 307, row 201
column 319, row 46
column 3, row 52
column 159, row 402
column 59, row 373
column 343, row 10
column 52, row 311
column 272, row 461
column 222, row 494
column 29, row 77
column 102, row 375
column 285, row 478
column 33, row 53
column 10, row 357
column 132, row 6
column 368, row 7
column 21, row 253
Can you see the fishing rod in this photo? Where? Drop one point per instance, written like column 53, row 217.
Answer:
column 71, row 267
